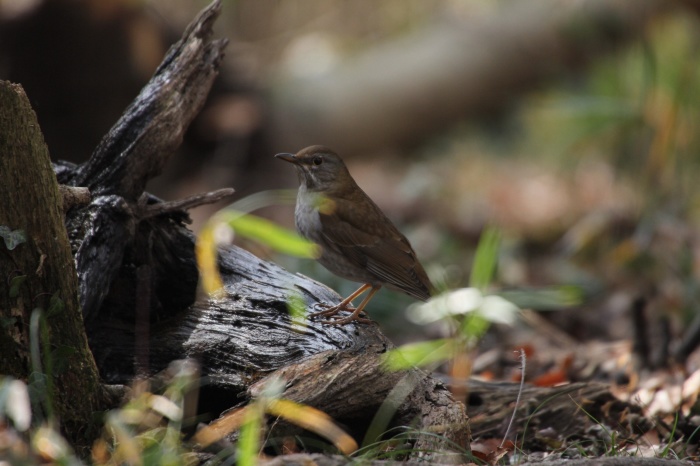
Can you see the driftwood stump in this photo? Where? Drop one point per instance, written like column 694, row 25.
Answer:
column 138, row 277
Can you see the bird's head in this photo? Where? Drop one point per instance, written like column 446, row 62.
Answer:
column 319, row 168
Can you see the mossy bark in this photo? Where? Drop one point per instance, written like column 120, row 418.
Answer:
column 30, row 201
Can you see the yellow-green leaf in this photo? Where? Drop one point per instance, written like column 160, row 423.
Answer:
column 205, row 251
column 419, row 354
column 313, row 420
column 270, row 234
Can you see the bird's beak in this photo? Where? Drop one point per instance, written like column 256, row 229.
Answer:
column 287, row 158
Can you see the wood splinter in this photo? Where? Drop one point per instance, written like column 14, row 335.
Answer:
column 153, row 210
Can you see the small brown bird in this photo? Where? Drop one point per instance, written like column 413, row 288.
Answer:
column 358, row 242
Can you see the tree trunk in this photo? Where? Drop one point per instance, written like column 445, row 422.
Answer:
column 39, row 297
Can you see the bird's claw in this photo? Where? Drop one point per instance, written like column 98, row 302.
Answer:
column 329, row 311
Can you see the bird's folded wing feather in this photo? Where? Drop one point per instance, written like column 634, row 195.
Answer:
column 370, row 240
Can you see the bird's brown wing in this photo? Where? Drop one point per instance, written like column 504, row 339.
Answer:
column 370, row 240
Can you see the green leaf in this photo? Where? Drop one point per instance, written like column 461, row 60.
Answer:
column 268, row 233
column 56, row 305
column 475, row 325
column 15, row 284
column 249, row 438
column 545, row 299
column 12, row 238
column 486, row 259
column 296, row 307
column 419, row 354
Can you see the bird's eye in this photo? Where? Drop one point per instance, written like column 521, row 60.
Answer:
column 318, row 160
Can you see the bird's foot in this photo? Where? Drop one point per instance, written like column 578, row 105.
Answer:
column 331, row 311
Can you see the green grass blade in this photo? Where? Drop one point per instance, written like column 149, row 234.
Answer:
column 486, row 259
column 270, row 234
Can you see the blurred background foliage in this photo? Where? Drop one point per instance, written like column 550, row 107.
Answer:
column 585, row 159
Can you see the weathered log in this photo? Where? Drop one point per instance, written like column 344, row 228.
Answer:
column 248, row 335
column 353, row 385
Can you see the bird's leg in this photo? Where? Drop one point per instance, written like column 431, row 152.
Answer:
column 355, row 316
column 344, row 305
